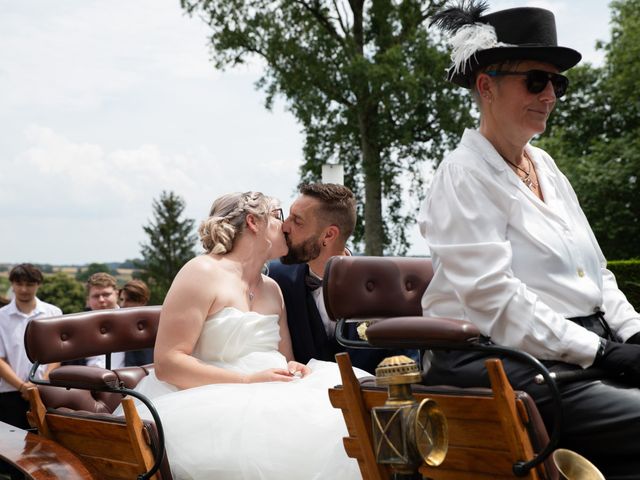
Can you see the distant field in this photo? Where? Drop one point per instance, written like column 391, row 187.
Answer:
column 67, row 270
column 123, row 275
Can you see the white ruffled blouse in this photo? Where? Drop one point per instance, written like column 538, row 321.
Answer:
column 512, row 264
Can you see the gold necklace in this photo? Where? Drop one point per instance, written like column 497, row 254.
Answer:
column 527, row 180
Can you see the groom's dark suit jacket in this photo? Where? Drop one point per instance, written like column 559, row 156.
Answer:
column 308, row 334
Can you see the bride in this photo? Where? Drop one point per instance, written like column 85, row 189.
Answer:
column 233, row 402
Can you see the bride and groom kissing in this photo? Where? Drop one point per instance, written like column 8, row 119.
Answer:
column 243, row 360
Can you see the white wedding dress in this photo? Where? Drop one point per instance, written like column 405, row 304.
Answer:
column 275, row 430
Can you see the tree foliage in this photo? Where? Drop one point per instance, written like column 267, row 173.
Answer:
column 171, row 244
column 4, row 286
column 63, row 291
column 594, row 136
column 83, row 274
column 366, row 81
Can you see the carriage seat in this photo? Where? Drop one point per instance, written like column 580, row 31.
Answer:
column 75, row 406
column 85, row 334
column 504, row 424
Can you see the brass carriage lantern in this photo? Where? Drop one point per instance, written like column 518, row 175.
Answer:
column 405, row 432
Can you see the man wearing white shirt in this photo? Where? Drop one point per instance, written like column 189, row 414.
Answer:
column 14, row 365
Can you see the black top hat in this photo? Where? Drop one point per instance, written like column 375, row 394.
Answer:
column 524, row 33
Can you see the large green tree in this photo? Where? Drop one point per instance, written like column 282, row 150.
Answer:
column 595, row 136
column 365, row 79
column 171, row 244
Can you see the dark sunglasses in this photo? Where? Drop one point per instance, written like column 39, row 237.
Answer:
column 537, row 80
column 278, row 213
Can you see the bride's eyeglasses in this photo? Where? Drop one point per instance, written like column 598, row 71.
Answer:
column 278, row 213
column 536, row 80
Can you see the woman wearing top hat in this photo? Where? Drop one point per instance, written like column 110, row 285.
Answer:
column 512, row 250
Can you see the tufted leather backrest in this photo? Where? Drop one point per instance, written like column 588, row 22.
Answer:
column 365, row 287
column 85, row 334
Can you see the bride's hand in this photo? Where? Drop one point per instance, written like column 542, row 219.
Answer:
column 298, row 369
column 270, row 375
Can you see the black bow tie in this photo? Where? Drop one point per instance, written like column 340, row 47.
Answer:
column 312, row 282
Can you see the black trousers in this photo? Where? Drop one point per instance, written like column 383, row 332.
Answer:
column 601, row 418
column 13, row 409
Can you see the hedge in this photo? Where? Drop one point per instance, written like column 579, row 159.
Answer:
column 627, row 274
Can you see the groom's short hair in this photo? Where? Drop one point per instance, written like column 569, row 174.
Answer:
column 337, row 205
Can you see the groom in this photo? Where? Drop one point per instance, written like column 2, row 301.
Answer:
column 319, row 224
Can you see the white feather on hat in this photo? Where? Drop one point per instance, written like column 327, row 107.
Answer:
column 470, row 39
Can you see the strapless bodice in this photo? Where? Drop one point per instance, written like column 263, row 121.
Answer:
column 231, row 334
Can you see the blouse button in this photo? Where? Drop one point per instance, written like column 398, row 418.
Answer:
column 580, row 272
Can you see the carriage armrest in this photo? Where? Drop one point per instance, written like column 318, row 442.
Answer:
column 131, row 376
column 96, row 378
column 80, row 376
column 427, row 332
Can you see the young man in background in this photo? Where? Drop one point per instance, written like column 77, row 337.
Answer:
column 14, row 365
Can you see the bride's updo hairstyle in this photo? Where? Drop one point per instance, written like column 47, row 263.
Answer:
column 226, row 220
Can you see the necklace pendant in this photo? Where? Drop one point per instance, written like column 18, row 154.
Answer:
column 251, row 295
column 529, row 183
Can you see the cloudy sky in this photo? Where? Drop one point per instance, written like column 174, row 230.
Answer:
column 104, row 104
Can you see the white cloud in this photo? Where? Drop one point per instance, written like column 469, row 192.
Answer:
column 91, row 195
column 83, row 180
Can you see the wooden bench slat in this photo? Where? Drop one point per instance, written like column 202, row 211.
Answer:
column 443, row 474
column 454, row 406
column 482, row 460
column 463, row 433
column 83, row 427
column 115, row 469
column 82, row 447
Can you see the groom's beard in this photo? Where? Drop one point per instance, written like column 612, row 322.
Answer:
column 302, row 253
